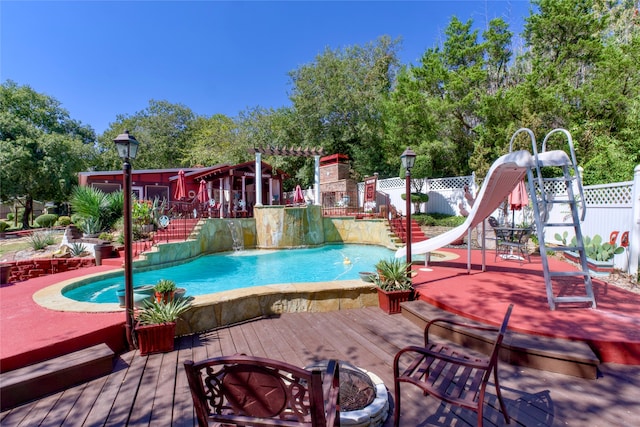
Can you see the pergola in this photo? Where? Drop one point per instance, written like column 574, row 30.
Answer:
column 316, row 153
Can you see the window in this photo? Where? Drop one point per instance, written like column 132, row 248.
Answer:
column 106, row 187
column 157, row 191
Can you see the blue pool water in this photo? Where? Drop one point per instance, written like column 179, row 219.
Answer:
column 221, row 272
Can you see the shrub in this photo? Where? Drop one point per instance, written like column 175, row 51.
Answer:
column 4, row 226
column 41, row 239
column 106, row 236
column 63, row 221
column 10, row 216
column 46, row 220
column 439, row 219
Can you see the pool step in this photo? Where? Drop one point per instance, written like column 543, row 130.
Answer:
column 559, row 355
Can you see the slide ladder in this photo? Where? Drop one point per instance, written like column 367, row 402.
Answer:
column 542, row 203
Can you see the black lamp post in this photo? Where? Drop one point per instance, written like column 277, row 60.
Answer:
column 408, row 158
column 127, row 147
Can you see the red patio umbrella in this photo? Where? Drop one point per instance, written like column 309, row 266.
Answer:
column 518, row 198
column 181, row 186
column 298, row 197
column 203, row 196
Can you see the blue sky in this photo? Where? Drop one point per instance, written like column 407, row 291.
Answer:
column 101, row 59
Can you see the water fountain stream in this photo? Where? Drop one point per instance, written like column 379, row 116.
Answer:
column 236, row 235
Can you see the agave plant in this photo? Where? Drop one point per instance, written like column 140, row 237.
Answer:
column 392, row 275
column 41, row 239
column 76, row 249
column 153, row 312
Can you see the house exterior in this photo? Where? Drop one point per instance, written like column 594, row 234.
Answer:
column 231, row 189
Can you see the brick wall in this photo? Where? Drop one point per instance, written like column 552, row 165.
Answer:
column 334, row 172
column 31, row 268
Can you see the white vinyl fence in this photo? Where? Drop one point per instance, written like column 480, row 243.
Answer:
column 610, row 207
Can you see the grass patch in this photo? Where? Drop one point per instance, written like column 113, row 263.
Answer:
column 7, row 246
column 22, row 243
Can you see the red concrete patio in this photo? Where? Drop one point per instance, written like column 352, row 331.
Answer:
column 30, row 333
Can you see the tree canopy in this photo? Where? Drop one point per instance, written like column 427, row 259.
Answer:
column 41, row 148
column 578, row 68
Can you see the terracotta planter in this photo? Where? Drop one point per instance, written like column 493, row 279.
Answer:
column 156, row 338
column 165, row 297
column 389, row 301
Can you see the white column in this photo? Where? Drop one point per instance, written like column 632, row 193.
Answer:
column 221, row 199
column 244, row 193
column 634, row 234
column 258, row 179
column 227, row 185
column 271, row 191
column 316, row 176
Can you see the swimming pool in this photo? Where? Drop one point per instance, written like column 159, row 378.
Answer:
column 225, row 271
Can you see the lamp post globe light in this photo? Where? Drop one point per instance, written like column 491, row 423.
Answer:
column 127, row 147
column 408, row 158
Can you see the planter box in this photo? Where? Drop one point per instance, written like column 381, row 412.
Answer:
column 156, row 338
column 596, row 268
column 390, row 300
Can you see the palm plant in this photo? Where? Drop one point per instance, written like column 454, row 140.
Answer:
column 89, row 202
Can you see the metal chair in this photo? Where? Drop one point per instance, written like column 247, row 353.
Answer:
column 245, row 390
column 510, row 239
column 447, row 373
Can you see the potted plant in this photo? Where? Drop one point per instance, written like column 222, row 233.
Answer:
column 5, row 273
column 165, row 290
column 90, row 227
column 393, row 284
column 599, row 253
column 156, row 325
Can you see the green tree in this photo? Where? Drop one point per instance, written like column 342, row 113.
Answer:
column 260, row 127
column 41, row 148
column 439, row 105
column 162, row 131
column 338, row 99
column 584, row 77
column 214, row 140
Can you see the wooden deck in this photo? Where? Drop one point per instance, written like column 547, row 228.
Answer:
column 152, row 390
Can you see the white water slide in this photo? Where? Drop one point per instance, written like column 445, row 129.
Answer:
column 503, row 176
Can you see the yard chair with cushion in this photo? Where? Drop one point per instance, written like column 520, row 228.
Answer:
column 245, row 390
column 449, row 372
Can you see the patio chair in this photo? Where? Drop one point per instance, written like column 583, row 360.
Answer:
column 510, row 240
column 449, row 373
column 246, row 390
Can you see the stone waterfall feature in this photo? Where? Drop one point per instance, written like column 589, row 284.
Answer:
column 282, row 227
